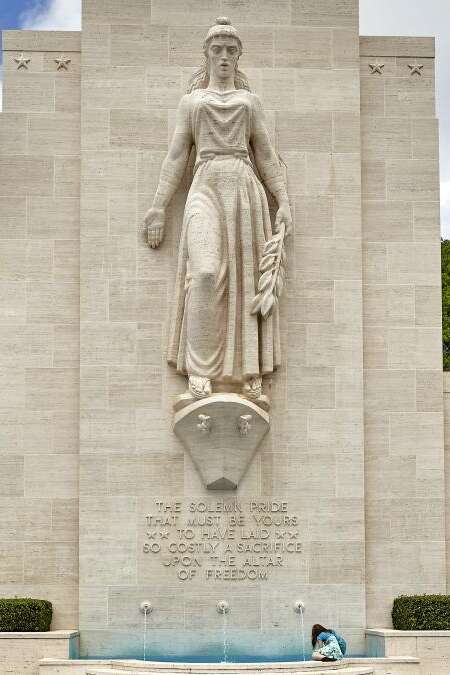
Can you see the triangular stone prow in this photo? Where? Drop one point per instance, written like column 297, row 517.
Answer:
column 222, row 484
column 221, row 433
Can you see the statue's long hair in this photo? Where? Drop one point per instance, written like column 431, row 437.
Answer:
column 200, row 79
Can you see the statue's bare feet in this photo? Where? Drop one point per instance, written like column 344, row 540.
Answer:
column 252, row 388
column 199, row 387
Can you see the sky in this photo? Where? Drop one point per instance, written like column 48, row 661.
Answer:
column 377, row 17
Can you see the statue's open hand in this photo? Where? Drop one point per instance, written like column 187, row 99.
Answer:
column 154, row 222
column 284, row 216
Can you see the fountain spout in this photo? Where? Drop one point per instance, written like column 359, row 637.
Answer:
column 146, row 608
column 223, row 608
column 299, row 607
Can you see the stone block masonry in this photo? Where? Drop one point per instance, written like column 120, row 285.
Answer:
column 87, row 453
column 404, row 459
column 129, row 457
column 39, row 322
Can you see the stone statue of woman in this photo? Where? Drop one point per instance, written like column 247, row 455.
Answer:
column 214, row 336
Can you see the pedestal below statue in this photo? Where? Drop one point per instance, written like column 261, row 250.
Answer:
column 222, row 433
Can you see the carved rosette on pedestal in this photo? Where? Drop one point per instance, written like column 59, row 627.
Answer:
column 221, row 433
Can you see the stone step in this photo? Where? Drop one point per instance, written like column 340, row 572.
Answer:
column 160, row 667
column 398, row 665
column 316, row 669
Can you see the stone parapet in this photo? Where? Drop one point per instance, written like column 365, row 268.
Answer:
column 396, row 46
column 44, row 635
column 21, row 652
column 42, row 40
column 431, row 647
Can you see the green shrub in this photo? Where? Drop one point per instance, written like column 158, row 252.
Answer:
column 421, row 612
column 25, row 615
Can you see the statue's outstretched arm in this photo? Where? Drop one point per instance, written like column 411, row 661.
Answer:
column 172, row 171
column 269, row 166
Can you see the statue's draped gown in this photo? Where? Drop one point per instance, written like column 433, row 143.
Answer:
column 225, row 226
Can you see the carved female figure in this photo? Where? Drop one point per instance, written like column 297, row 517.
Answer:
column 214, row 336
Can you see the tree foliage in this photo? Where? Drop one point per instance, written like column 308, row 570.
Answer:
column 445, row 262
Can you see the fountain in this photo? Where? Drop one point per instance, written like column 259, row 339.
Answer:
column 299, row 607
column 225, row 666
column 146, row 608
column 223, row 608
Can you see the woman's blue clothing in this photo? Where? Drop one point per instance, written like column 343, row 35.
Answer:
column 324, row 636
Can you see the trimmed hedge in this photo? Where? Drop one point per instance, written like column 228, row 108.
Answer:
column 25, row 615
column 421, row 612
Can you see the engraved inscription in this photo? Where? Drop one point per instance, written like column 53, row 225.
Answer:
column 222, row 540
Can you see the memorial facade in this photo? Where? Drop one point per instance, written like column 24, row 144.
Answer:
column 106, row 490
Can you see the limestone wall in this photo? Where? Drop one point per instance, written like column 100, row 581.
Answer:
column 404, row 459
column 39, row 313
column 302, row 58
column 447, row 467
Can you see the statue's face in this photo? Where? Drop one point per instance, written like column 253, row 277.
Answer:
column 223, row 55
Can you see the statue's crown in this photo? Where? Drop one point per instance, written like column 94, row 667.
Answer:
column 222, row 26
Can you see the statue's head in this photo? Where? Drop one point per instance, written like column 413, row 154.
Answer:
column 222, row 30
column 221, row 50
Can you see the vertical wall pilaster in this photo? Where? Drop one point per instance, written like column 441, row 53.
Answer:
column 39, row 314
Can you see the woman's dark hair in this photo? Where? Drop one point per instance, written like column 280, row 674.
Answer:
column 315, row 632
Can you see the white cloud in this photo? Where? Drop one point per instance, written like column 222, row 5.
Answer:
column 52, row 15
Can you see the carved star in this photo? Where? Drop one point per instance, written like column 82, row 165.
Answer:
column 376, row 68
column 22, row 61
column 62, row 62
column 415, row 68
column 280, row 534
column 163, row 534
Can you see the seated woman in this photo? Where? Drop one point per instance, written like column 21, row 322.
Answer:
column 327, row 644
